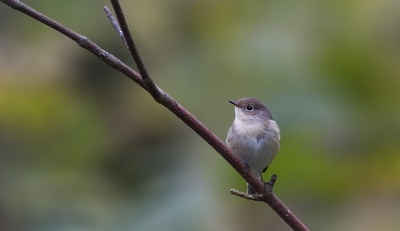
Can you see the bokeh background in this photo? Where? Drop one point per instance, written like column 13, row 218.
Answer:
column 82, row 147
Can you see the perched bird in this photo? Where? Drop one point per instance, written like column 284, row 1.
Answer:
column 254, row 136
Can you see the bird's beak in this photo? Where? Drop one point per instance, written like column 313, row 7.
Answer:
column 233, row 102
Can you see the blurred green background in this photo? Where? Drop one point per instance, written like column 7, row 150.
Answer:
column 82, row 147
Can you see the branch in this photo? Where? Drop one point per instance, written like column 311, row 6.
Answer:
column 114, row 23
column 148, row 82
column 163, row 98
column 253, row 197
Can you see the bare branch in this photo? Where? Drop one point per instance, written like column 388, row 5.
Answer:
column 115, row 24
column 162, row 97
column 253, row 197
column 148, row 82
column 280, row 208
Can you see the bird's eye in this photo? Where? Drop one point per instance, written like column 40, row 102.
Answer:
column 250, row 107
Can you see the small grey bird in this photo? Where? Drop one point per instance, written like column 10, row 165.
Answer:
column 254, row 136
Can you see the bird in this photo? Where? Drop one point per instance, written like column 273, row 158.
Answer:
column 254, row 136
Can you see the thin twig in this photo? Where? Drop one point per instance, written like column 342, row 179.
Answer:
column 272, row 180
column 257, row 197
column 274, row 202
column 114, row 23
column 148, row 82
column 253, row 197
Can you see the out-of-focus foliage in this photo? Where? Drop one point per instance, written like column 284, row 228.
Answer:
column 84, row 148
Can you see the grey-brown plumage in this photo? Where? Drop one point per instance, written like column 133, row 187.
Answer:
column 254, row 136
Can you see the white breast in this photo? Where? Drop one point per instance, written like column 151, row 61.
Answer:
column 254, row 143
